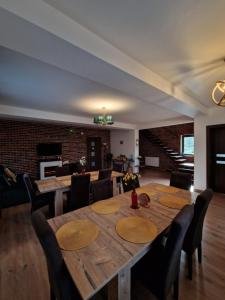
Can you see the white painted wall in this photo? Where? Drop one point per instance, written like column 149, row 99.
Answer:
column 129, row 146
column 215, row 116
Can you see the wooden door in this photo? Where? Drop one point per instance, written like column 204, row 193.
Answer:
column 216, row 158
column 94, row 157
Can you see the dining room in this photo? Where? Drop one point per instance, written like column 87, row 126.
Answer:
column 108, row 244
column 112, row 159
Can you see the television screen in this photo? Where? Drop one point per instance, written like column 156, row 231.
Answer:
column 49, row 149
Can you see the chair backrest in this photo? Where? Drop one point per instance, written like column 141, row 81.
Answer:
column 73, row 167
column 170, row 263
column 101, row 189
column 130, row 186
column 80, row 191
column 181, row 180
column 104, row 174
column 29, row 188
column 194, row 234
column 118, row 166
column 62, row 171
column 58, row 277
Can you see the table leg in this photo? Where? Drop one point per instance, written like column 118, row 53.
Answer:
column 119, row 288
column 58, row 202
column 124, row 284
column 115, row 189
column 121, row 191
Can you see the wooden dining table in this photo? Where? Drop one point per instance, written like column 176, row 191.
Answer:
column 108, row 260
column 62, row 184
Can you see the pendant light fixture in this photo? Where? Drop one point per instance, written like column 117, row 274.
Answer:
column 103, row 119
column 218, row 93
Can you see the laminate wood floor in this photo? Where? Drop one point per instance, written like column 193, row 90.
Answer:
column 23, row 273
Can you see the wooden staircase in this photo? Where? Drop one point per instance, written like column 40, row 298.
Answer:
column 180, row 163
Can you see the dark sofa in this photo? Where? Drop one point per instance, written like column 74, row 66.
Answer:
column 11, row 193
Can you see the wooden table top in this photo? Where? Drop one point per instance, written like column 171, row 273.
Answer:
column 63, row 182
column 94, row 266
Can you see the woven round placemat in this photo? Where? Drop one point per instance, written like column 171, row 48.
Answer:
column 167, row 189
column 147, row 191
column 77, row 234
column 106, row 207
column 173, row 202
column 136, row 230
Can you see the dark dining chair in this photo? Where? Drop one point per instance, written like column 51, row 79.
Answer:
column 37, row 200
column 80, row 192
column 101, row 189
column 62, row 171
column 73, row 167
column 104, row 174
column 193, row 238
column 159, row 269
column 130, row 186
column 118, row 166
column 61, row 284
column 181, row 180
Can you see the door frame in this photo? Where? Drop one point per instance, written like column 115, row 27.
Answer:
column 209, row 130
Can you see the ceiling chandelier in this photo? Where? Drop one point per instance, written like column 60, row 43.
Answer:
column 218, row 93
column 103, row 119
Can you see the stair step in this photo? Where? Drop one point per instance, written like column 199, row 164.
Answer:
column 176, row 156
column 180, row 160
column 187, row 165
column 186, row 170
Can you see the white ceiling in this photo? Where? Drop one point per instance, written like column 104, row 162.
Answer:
column 180, row 40
column 30, row 83
column 145, row 61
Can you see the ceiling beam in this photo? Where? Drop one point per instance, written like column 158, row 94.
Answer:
column 171, row 122
column 110, row 58
column 7, row 111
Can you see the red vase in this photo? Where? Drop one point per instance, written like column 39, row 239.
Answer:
column 134, row 199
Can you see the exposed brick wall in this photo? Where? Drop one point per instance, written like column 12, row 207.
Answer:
column 170, row 136
column 18, row 141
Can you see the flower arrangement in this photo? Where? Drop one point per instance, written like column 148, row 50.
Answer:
column 130, row 180
column 83, row 161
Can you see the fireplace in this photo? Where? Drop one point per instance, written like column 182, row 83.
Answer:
column 48, row 168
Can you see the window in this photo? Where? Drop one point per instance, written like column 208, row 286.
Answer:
column 187, row 145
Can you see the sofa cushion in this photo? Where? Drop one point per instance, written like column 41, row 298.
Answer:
column 10, row 174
